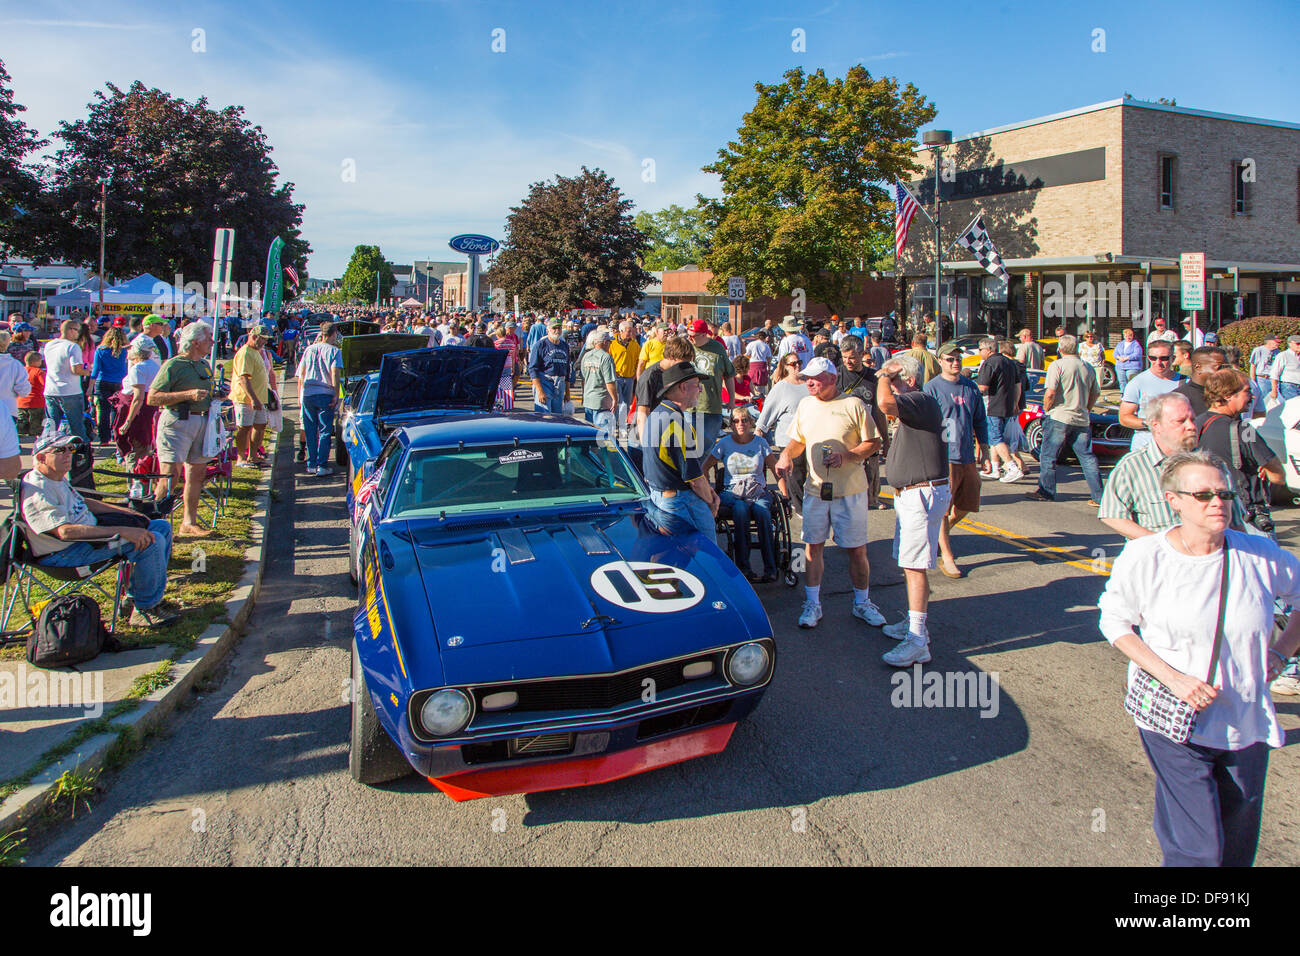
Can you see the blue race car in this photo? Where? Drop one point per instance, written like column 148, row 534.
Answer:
column 522, row 626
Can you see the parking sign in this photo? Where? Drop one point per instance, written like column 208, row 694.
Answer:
column 1192, row 295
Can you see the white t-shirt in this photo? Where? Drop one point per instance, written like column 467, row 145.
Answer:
column 798, row 343
column 1141, row 388
column 60, row 356
column 13, row 383
column 48, row 504
column 759, row 351
column 1173, row 598
column 8, row 438
column 141, row 373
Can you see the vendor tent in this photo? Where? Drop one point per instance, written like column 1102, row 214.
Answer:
column 144, row 293
column 79, row 295
column 411, row 304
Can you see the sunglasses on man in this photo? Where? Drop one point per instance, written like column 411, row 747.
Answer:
column 1204, row 496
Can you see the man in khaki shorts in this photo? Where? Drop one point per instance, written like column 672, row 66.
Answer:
column 249, row 388
column 837, row 434
column 183, row 389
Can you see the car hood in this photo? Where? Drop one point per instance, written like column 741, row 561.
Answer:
column 450, row 378
column 362, row 353
column 581, row 596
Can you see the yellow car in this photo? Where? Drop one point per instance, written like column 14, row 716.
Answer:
column 970, row 362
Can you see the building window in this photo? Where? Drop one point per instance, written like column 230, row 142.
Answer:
column 1241, row 189
column 1168, row 171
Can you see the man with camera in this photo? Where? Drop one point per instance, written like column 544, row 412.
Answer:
column 183, row 389
column 837, row 434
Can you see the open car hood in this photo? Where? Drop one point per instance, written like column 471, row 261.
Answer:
column 356, row 327
column 450, row 378
column 362, row 353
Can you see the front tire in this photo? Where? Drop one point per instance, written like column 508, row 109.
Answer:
column 373, row 758
column 1107, row 378
column 1034, row 437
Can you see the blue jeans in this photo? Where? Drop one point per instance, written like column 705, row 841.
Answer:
column 602, row 420
column 1208, row 801
column 626, row 386
column 148, row 567
column 1287, row 391
column 318, row 425
column 1122, row 375
column 1055, row 435
column 555, row 389
column 742, row 512
column 69, row 408
column 683, row 513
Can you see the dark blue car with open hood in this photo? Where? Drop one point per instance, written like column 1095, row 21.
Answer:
column 521, row 625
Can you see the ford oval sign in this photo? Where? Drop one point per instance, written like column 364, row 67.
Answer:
column 472, row 245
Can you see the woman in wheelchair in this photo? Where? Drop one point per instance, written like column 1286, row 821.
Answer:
column 745, row 460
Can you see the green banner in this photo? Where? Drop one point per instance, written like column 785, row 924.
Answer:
column 273, row 289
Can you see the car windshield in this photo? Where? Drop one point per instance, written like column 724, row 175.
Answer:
column 504, row 477
column 368, row 400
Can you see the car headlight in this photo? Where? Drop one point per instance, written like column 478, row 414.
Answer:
column 748, row 664
column 445, row 712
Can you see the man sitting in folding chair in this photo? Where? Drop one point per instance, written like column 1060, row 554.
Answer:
column 63, row 527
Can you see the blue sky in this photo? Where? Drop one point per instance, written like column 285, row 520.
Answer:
column 445, row 134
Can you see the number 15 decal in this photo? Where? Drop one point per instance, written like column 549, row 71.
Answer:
column 646, row 587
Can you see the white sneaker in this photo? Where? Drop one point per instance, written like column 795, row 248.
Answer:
column 899, row 629
column 1011, row 474
column 866, row 611
column 811, row 614
column 990, row 474
column 1286, row 686
column 914, row 650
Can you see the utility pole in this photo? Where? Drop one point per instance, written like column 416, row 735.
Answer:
column 103, row 202
column 936, row 138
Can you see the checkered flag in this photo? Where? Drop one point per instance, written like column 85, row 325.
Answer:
column 976, row 239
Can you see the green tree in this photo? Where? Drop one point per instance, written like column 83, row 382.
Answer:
column 572, row 239
column 806, row 199
column 176, row 172
column 359, row 276
column 20, row 187
column 678, row 236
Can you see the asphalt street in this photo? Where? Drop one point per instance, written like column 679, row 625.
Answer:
column 827, row 770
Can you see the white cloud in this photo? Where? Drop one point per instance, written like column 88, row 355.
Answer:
column 427, row 166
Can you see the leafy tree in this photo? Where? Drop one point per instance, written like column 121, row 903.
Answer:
column 359, row 277
column 176, row 172
column 806, row 199
column 572, row 239
column 19, row 185
column 678, row 236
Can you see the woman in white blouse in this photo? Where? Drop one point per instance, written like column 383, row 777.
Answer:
column 1166, row 587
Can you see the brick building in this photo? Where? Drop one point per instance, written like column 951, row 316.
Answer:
column 686, row 297
column 1091, row 208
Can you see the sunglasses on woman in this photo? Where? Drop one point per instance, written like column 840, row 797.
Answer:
column 1205, row 496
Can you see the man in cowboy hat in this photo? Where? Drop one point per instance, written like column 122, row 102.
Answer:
column 794, row 341
column 682, row 497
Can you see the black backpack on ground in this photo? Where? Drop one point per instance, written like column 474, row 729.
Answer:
column 68, row 631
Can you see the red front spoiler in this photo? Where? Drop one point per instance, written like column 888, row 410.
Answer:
column 473, row 784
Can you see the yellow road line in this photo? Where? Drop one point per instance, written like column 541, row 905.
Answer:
column 1099, row 566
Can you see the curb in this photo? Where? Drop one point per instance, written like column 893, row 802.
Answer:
column 209, row 650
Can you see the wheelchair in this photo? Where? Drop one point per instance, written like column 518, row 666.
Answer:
column 782, row 546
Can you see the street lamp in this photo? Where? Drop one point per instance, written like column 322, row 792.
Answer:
column 936, row 138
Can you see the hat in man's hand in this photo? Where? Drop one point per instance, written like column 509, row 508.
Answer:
column 676, row 374
column 821, row 365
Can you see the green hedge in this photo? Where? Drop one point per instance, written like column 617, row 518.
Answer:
column 1249, row 333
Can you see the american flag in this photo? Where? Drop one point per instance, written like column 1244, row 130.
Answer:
column 292, row 273
column 905, row 208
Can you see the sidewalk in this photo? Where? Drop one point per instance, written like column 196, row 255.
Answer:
column 72, row 721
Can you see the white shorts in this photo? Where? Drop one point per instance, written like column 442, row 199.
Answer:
column 846, row 516
column 920, row 514
column 9, row 447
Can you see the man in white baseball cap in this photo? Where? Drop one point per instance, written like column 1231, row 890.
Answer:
column 837, row 435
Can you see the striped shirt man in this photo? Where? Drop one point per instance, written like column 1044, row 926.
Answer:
column 1133, row 492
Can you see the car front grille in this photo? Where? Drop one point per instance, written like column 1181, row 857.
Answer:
column 599, row 692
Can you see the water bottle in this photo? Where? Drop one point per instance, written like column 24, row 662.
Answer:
column 137, row 490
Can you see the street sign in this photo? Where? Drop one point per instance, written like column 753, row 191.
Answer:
column 1192, row 295
column 736, row 289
